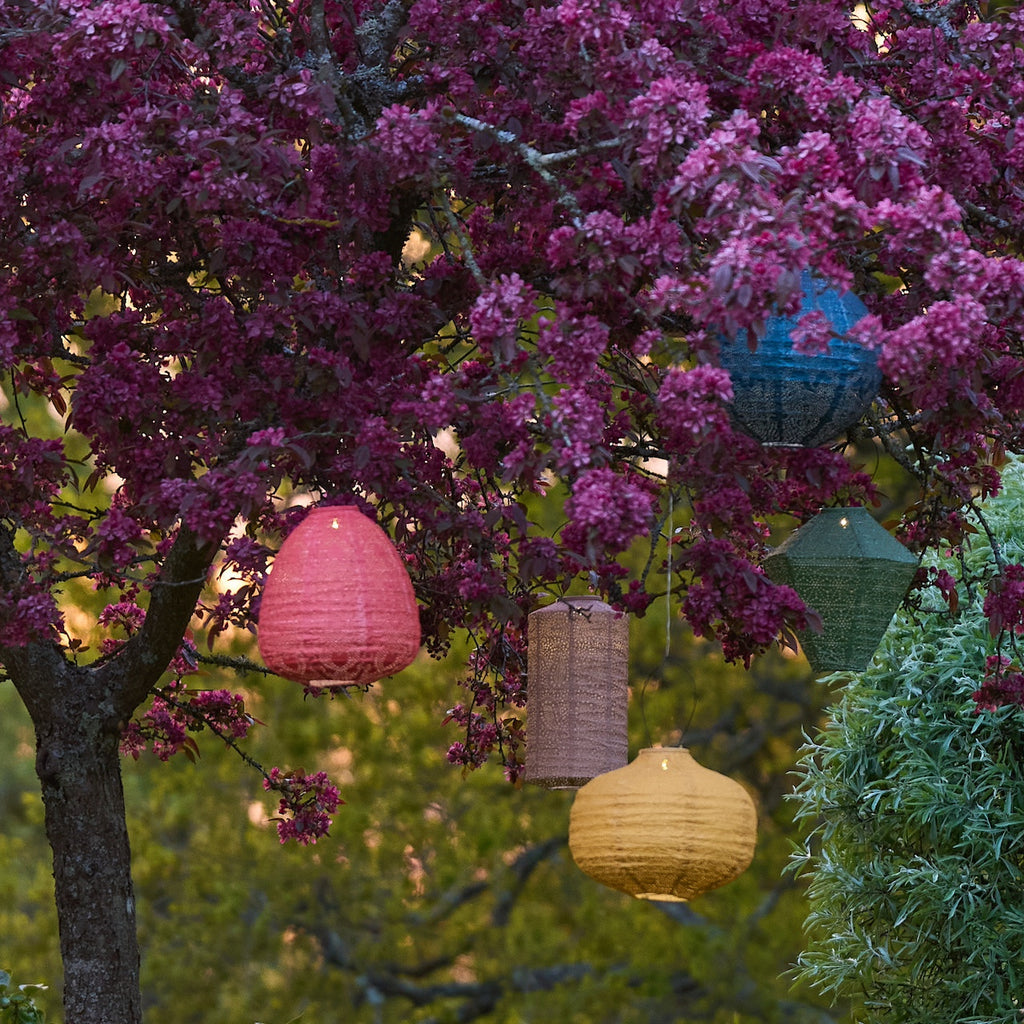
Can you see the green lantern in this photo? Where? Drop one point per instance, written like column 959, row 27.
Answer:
column 854, row 574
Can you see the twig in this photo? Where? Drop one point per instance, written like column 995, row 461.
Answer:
column 467, row 249
column 238, row 663
column 537, row 160
column 198, row 716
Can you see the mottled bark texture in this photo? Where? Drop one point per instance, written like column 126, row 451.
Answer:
column 79, row 770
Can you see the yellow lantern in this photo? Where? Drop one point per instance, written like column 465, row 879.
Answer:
column 663, row 827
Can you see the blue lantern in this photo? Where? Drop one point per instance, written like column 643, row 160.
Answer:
column 796, row 399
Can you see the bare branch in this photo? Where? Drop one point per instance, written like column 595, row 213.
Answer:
column 327, row 70
column 140, row 663
column 540, row 162
column 937, row 15
column 521, row 869
column 237, row 663
column 377, row 36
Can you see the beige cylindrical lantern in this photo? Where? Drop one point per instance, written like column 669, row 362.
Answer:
column 577, row 692
column 663, row 827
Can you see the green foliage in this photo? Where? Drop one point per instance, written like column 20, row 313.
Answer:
column 436, row 892
column 28, row 940
column 17, row 1006
column 433, row 893
column 914, row 807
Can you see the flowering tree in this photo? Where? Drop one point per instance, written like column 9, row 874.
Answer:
column 257, row 251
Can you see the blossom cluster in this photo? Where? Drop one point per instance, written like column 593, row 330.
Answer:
column 305, row 806
column 473, row 266
column 1004, row 601
column 165, row 726
column 606, row 511
column 1003, row 684
column 693, row 403
column 723, row 597
column 496, row 682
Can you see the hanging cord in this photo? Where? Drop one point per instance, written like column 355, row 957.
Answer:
column 668, row 624
column 668, row 616
column 668, row 581
column 642, row 695
column 667, row 655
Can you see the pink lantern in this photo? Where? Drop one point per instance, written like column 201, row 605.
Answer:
column 338, row 607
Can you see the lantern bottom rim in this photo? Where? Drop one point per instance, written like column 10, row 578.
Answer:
column 660, row 897
column 561, row 782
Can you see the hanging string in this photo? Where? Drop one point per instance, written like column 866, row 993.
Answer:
column 668, row 614
column 668, row 580
column 667, row 656
column 668, row 622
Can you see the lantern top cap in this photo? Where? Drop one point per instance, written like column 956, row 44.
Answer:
column 815, row 286
column 316, row 510
column 583, row 602
column 322, row 513
column 849, row 532
column 668, row 756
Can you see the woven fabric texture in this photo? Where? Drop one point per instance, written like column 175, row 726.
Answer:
column 338, row 607
column 798, row 399
column 577, row 692
column 854, row 574
column 663, row 828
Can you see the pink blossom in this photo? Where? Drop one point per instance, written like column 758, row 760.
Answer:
column 1004, row 601
column 573, row 345
column 671, row 114
column 692, row 403
column 305, row 806
column 497, row 314
column 607, row 512
column 580, row 416
column 125, row 615
column 1003, row 684
column 943, row 336
column 408, row 139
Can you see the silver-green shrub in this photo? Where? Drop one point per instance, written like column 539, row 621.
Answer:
column 913, row 805
column 16, row 1004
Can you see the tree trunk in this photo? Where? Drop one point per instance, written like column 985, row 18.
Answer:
column 78, row 765
column 78, row 714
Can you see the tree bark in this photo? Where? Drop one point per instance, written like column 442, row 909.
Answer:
column 79, row 769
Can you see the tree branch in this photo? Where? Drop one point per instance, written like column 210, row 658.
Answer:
column 479, row 998
column 937, row 15
column 327, row 70
column 520, row 870
column 376, row 37
column 538, row 161
column 236, row 662
column 37, row 668
column 137, row 667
